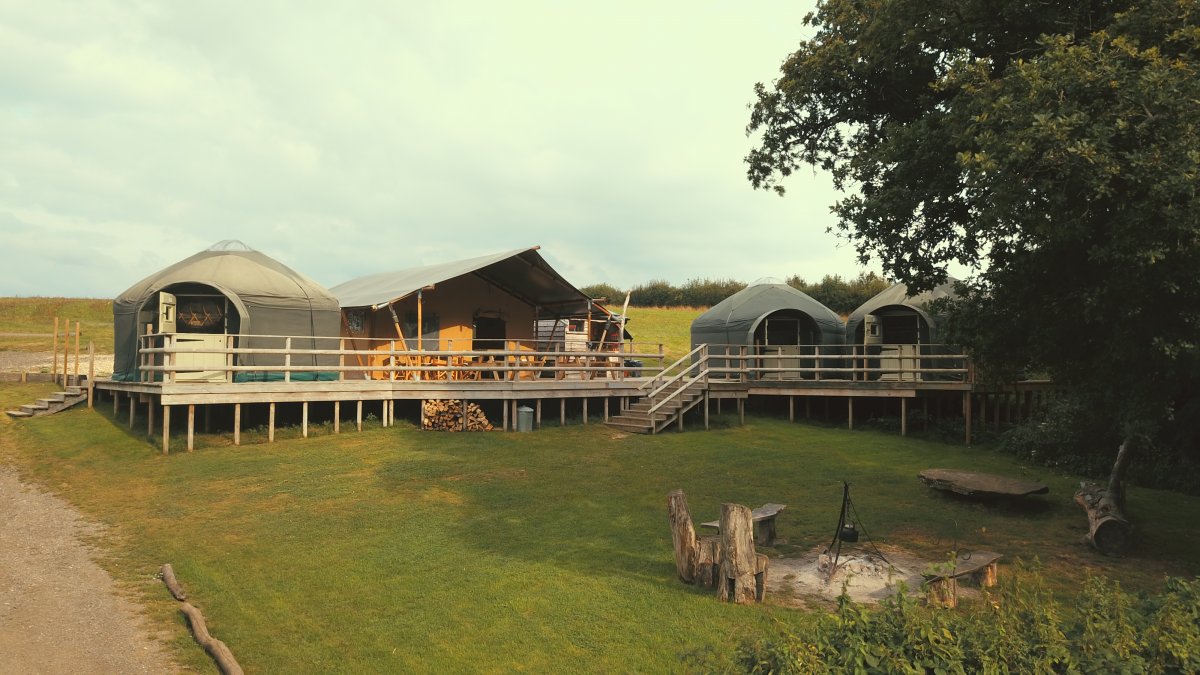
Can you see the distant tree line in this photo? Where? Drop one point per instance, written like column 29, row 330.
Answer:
column 841, row 295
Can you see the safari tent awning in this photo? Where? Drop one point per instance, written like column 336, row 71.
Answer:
column 522, row 273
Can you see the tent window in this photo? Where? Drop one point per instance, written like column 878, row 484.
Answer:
column 429, row 331
column 490, row 332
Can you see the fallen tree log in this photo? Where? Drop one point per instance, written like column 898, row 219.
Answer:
column 168, row 577
column 215, row 648
column 1108, row 528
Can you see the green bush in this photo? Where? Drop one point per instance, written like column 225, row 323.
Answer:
column 1015, row 628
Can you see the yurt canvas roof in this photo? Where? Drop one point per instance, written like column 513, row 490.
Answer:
column 897, row 294
column 734, row 319
column 270, row 297
column 523, row 273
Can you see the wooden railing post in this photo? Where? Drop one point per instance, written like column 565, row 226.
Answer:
column 287, row 359
column 54, row 351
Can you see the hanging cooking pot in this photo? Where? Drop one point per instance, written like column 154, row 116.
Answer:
column 848, row 533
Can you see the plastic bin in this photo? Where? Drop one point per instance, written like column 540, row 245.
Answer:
column 633, row 368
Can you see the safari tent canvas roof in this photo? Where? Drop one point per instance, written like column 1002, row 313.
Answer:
column 733, row 320
column 270, row 299
column 897, row 295
column 523, row 273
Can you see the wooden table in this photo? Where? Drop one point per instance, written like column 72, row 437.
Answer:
column 975, row 484
column 764, row 523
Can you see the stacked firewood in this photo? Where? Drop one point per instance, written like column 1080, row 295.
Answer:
column 447, row 415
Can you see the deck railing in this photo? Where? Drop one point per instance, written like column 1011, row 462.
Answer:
column 858, row 363
column 190, row 357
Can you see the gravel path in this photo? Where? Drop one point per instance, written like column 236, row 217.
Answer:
column 59, row 611
column 32, row 362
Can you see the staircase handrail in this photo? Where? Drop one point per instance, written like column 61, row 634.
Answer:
column 701, row 375
column 656, row 380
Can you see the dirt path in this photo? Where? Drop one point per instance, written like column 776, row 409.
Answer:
column 59, row 612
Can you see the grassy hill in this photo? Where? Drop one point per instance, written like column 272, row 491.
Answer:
column 34, row 318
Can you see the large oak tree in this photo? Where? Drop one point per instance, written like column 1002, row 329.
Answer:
column 1052, row 147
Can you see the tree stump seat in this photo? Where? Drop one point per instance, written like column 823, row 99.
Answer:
column 764, row 523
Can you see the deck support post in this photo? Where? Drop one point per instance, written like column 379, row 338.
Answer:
column 562, row 412
column 463, row 413
column 741, row 405
column 150, row 417
column 706, row 409
column 513, row 416
column 903, row 417
column 337, row 417
column 384, row 414
column 421, row 420
column 304, row 419
column 967, row 417
column 116, row 403
column 237, row 423
column 132, row 409
column 585, row 411
column 166, row 429
column 191, row 427
column 606, row 409
column 791, row 408
column 850, row 413
column 537, row 415
column 271, row 424
column 358, row 414
column 504, row 416
column 679, row 420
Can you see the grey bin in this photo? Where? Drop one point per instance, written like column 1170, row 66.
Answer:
column 524, row 418
column 633, row 368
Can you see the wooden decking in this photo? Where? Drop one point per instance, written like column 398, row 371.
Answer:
column 525, row 374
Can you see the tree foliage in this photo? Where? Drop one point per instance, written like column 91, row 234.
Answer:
column 841, row 295
column 1054, row 148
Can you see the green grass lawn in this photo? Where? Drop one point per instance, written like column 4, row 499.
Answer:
column 408, row 551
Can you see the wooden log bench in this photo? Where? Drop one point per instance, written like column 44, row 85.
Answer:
column 979, row 566
column 764, row 523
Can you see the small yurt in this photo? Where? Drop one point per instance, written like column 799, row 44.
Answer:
column 898, row 332
column 219, row 297
column 895, row 317
column 768, row 317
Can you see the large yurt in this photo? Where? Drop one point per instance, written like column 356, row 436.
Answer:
column 221, row 297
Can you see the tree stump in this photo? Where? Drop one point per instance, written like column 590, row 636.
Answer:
column 683, row 534
column 738, row 559
column 708, row 564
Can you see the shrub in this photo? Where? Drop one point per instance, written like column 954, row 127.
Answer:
column 1015, row 628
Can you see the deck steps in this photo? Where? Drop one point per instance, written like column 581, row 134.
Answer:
column 57, row 402
column 679, row 399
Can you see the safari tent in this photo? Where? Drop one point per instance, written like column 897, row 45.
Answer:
column 771, row 318
column 211, row 298
column 497, row 301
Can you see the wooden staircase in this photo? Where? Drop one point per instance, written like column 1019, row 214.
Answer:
column 58, row 401
column 667, row 400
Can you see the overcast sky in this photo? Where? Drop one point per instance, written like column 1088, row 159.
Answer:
column 345, row 139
